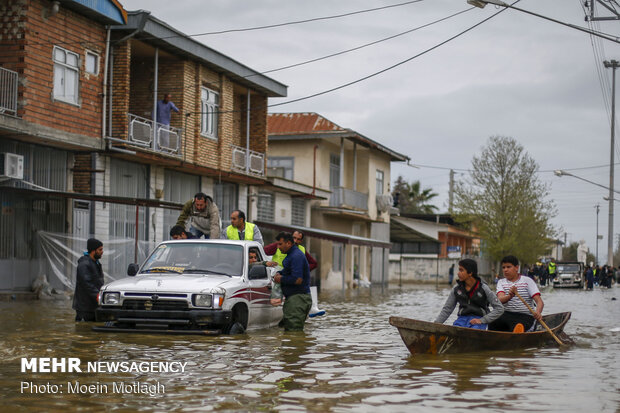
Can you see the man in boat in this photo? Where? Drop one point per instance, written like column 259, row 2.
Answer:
column 517, row 317
column 473, row 297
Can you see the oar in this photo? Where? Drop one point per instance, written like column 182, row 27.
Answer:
column 540, row 321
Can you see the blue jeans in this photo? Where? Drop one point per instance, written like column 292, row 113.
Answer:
column 463, row 321
column 198, row 233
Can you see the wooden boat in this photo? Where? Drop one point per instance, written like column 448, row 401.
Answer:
column 422, row 337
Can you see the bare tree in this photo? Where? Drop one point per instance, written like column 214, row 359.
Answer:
column 505, row 202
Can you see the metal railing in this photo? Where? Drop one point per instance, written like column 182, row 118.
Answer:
column 8, row 91
column 343, row 197
column 140, row 133
column 247, row 161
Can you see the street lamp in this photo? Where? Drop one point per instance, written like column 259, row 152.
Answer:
column 610, row 229
column 482, row 3
column 560, row 173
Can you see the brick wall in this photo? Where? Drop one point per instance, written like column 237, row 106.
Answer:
column 121, row 89
column 34, row 63
column 81, row 178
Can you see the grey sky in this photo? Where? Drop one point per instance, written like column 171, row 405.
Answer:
column 516, row 75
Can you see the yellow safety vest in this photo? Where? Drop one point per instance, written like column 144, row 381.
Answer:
column 233, row 233
column 551, row 268
column 279, row 256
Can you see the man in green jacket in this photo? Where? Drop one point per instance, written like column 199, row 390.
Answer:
column 203, row 216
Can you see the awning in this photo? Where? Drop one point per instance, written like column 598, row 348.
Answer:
column 402, row 233
column 327, row 235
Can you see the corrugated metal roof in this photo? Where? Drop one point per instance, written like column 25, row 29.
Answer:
column 310, row 125
column 309, row 122
column 105, row 11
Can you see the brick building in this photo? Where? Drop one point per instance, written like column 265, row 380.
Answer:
column 78, row 84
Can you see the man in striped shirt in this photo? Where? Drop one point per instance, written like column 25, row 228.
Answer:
column 517, row 317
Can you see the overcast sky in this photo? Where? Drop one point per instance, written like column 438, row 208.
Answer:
column 515, row 75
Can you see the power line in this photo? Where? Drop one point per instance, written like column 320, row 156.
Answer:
column 393, row 66
column 361, row 46
column 335, row 16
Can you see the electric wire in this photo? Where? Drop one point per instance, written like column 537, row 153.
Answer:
column 392, row 66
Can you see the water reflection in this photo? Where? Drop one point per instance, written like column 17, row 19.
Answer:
column 351, row 359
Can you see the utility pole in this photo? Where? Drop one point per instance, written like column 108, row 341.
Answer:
column 613, row 64
column 598, row 208
column 451, row 191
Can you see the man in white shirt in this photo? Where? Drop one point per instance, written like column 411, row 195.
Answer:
column 517, row 317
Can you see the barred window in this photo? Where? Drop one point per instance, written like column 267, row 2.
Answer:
column 298, row 212
column 266, row 207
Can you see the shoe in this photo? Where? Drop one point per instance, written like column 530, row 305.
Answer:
column 518, row 328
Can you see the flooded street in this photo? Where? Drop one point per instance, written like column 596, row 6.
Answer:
column 351, row 359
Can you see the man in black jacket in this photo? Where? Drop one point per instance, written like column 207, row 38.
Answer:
column 88, row 281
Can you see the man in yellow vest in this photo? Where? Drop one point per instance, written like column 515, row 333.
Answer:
column 239, row 229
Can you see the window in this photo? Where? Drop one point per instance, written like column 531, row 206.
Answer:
column 92, row 63
column 266, row 207
column 379, row 177
column 209, row 109
column 298, row 212
column 337, row 257
column 281, row 166
column 66, row 75
column 225, row 197
column 334, row 170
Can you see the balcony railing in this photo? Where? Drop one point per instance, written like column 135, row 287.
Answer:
column 348, row 198
column 248, row 161
column 8, row 92
column 165, row 139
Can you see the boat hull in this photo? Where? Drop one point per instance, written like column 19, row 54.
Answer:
column 422, row 337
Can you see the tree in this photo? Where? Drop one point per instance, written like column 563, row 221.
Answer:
column 504, row 200
column 412, row 199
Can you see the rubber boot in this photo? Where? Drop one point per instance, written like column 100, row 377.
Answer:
column 314, row 310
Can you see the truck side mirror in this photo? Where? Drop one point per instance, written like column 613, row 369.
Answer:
column 258, row 272
column 132, row 269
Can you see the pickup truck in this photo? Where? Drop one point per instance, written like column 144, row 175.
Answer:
column 192, row 287
column 568, row 275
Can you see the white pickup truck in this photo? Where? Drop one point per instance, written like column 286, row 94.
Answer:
column 192, row 286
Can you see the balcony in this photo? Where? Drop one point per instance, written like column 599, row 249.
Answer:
column 348, row 198
column 247, row 161
column 145, row 133
column 8, row 92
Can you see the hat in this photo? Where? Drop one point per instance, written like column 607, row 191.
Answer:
column 92, row 244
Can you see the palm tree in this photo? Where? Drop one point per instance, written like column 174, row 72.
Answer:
column 412, row 199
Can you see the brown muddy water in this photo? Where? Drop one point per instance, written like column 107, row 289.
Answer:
column 351, row 359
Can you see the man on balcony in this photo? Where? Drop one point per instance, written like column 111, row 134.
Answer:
column 239, row 229
column 203, row 216
column 164, row 110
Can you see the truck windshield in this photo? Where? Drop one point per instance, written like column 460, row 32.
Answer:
column 569, row 268
column 196, row 258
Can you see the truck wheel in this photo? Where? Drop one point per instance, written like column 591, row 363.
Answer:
column 236, row 328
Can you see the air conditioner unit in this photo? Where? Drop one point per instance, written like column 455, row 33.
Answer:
column 11, row 165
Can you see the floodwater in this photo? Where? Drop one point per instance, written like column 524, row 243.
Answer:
column 351, row 359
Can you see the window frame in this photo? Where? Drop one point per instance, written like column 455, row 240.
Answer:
column 65, row 68
column 209, row 111
column 379, row 181
column 277, row 159
column 97, row 57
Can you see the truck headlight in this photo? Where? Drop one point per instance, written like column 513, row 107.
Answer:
column 203, row 300
column 111, row 298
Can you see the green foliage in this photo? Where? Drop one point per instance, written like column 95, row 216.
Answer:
column 504, row 200
column 412, row 199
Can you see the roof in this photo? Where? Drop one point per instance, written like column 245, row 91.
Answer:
column 149, row 29
column 310, row 125
column 105, row 11
column 400, row 232
column 327, row 235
